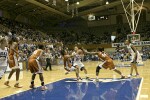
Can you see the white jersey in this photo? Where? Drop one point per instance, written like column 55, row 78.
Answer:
column 77, row 57
column 3, row 61
column 131, row 51
column 77, row 60
column 3, row 57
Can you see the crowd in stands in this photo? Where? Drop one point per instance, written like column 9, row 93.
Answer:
column 95, row 35
column 32, row 36
column 102, row 34
column 29, row 33
column 84, row 37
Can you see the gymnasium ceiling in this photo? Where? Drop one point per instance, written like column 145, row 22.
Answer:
column 41, row 9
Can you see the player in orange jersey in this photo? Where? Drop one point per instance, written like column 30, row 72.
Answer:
column 35, row 67
column 13, row 63
column 107, row 62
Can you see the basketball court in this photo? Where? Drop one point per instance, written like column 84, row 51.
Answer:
column 65, row 87
column 72, row 90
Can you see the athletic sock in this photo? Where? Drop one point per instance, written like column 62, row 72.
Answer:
column 96, row 77
column 42, row 83
column 86, row 75
column 17, row 82
column 32, row 82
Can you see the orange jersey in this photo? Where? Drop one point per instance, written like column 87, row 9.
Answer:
column 13, row 55
column 33, row 63
column 12, row 52
column 68, row 63
column 103, row 56
column 108, row 62
column 37, row 53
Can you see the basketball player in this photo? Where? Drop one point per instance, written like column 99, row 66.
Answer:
column 35, row 67
column 78, row 53
column 107, row 62
column 13, row 63
column 135, row 57
column 3, row 56
column 67, row 64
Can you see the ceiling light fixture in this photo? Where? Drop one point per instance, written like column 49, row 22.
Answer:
column 78, row 3
column 47, row 0
column 66, row 0
column 54, row 2
column 107, row 2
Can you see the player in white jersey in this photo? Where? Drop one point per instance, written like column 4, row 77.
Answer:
column 78, row 54
column 3, row 56
column 67, row 64
column 135, row 57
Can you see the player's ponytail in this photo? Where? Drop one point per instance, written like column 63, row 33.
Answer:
column 101, row 49
column 62, row 52
column 41, row 46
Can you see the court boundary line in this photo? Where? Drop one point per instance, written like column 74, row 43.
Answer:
column 92, row 81
column 30, row 89
column 140, row 88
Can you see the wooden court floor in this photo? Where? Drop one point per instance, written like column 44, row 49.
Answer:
column 57, row 73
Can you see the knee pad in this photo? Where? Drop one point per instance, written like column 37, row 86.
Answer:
column 32, row 82
column 42, row 83
column 98, row 68
column 82, row 69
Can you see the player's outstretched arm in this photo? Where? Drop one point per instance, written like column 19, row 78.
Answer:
column 86, row 52
column 92, row 53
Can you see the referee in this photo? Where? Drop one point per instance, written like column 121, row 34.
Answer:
column 48, row 60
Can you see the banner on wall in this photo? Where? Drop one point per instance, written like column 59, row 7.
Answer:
column 139, row 43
